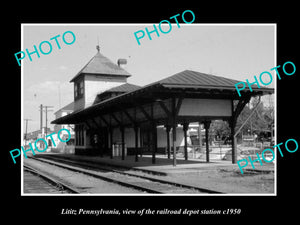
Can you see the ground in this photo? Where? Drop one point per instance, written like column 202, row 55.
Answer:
column 218, row 175
column 230, row 180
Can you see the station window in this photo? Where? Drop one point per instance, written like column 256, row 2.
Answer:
column 79, row 135
column 78, row 89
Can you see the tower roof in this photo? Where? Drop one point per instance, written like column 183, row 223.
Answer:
column 101, row 65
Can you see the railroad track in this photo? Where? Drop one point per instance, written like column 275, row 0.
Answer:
column 135, row 181
column 58, row 185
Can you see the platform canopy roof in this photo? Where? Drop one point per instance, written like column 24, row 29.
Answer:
column 127, row 87
column 185, row 84
column 69, row 108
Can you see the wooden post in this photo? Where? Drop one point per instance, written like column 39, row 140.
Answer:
column 206, row 126
column 174, row 125
column 232, row 122
column 174, row 144
column 199, row 135
column 233, row 141
column 136, row 142
column 123, row 142
column 100, row 142
column 154, row 141
column 185, row 129
column 168, row 128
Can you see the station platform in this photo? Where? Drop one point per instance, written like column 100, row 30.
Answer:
column 163, row 166
column 217, row 175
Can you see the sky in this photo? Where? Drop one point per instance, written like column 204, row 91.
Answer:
column 236, row 51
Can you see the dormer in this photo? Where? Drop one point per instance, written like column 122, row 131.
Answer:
column 97, row 76
column 115, row 91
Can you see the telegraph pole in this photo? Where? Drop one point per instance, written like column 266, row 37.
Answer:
column 41, row 117
column 46, row 110
column 26, row 129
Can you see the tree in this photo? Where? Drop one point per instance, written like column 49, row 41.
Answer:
column 219, row 129
column 261, row 121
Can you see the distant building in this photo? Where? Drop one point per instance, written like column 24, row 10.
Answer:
column 31, row 137
column 64, row 147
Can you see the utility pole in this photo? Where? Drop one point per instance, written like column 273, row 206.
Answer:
column 46, row 110
column 25, row 138
column 41, row 117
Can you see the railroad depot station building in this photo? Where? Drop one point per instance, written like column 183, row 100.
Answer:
column 116, row 118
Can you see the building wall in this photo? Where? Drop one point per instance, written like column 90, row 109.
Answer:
column 62, row 147
column 79, row 104
column 129, row 137
column 205, row 107
column 95, row 85
column 162, row 137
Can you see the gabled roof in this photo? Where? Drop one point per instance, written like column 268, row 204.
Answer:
column 121, row 89
column 101, row 65
column 189, row 78
column 69, row 107
column 127, row 87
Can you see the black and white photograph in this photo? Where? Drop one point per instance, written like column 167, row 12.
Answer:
column 115, row 116
column 165, row 113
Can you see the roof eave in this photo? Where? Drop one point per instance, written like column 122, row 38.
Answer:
column 99, row 74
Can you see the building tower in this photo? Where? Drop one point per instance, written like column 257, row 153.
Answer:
column 97, row 76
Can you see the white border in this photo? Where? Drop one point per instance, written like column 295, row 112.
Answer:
column 22, row 111
column 143, row 24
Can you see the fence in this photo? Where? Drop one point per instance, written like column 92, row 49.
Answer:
column 220, row 151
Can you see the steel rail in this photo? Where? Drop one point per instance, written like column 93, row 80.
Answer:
column 58, row 184
column 91, row 166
